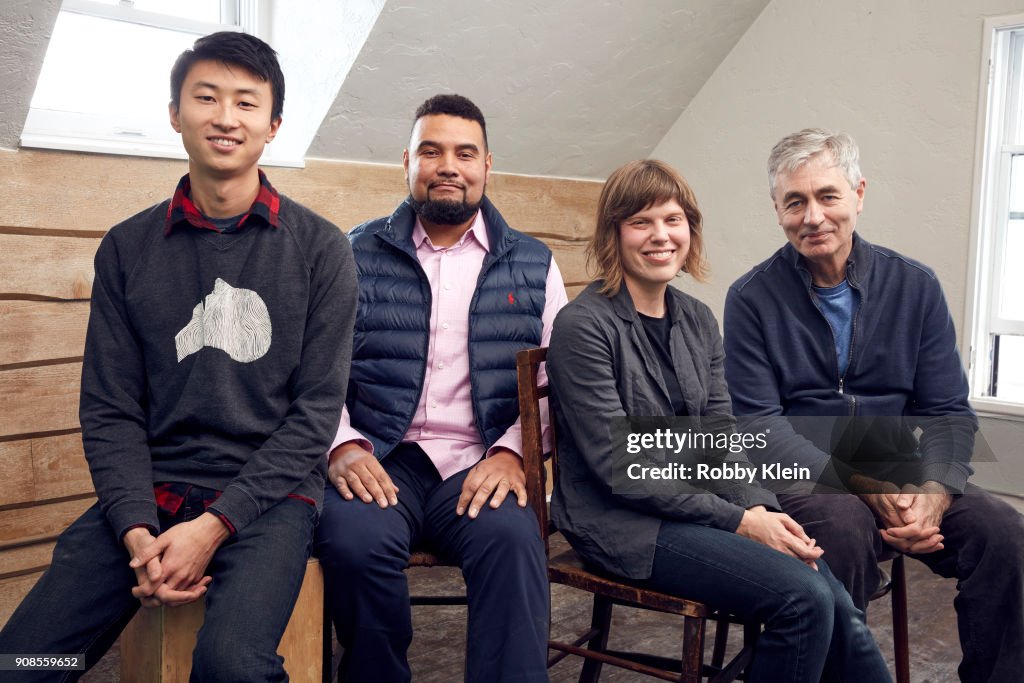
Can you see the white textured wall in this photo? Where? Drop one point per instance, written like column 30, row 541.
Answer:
column 25, row 28
column 901, row 77
column 571, row 88
column 316, row 48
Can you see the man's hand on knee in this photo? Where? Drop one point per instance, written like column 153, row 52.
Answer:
column 902, row 527
column 891, row 508
column 185, row 550
column 355, row 472
column 493, row 478
column 151, row 590
column 148, row 575
column 922, row 510
column 888, row 503
column 931, row 503
column 913, row 538
column 165, row 595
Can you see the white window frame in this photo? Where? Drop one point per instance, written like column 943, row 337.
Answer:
column 1000, row 92
column 231, row 13
column 75, row 128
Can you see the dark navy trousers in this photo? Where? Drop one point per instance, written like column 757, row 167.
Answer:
column 364, row 551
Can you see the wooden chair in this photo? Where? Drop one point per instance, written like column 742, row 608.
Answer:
column 567, row 569
column 895, row 584
column 425, row 558
column 421, row 557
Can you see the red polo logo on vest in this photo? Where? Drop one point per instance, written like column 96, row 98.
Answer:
column 511, row 299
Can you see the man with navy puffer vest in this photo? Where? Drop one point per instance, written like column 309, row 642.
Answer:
column 428, row 449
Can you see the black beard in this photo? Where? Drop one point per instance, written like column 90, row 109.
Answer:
column 444, row 212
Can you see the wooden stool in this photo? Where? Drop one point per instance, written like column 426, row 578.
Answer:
column 156, row 646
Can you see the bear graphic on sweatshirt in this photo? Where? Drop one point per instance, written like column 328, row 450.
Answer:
column 233, row 320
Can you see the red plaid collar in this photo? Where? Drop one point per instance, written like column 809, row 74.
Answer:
column 171, row 494
column 182, row 210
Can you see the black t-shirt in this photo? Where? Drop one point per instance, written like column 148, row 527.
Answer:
column 225, row 225
column 659, row 332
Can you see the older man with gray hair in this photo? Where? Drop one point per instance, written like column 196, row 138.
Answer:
column 832, row 326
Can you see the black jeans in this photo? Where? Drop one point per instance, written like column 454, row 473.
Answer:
column 984, row 551
column 83, row 601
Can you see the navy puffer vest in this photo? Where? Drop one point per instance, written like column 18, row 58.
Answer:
column 393, row 326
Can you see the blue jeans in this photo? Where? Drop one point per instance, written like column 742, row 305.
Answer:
column 812, row 631
column 83, row 601
column 364, row 551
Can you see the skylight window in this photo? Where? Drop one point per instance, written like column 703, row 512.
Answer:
column 104, row 85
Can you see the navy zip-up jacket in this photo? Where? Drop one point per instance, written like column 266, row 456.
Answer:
column 393, row 326
column 904, row 364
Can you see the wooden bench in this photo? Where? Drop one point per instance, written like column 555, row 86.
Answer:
column 156, row 646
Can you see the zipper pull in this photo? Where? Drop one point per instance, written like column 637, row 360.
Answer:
column 840, row 385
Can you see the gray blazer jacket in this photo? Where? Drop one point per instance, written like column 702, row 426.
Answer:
column 601, row 365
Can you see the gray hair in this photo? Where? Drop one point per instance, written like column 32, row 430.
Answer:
column 793, row 151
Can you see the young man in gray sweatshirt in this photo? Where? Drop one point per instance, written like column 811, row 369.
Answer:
column 215, row 369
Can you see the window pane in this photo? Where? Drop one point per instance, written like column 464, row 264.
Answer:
column 200, row 10
column 1015, row 129
column 1011, row 303
column 1010, row 368
column 1017, row 184
column 1011, row 287
column 98, row 66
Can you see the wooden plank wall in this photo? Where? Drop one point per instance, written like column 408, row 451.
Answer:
column 54, row 209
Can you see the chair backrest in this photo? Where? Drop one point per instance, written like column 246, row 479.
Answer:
column 530, row 406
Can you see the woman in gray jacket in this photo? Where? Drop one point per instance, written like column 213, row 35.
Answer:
column 632, row 346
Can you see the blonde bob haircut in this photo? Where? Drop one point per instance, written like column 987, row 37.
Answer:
column 630, row 189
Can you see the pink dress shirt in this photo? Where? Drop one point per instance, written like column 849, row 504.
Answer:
column 443, row 425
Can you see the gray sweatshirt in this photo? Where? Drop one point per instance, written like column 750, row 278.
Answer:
column 219, row 360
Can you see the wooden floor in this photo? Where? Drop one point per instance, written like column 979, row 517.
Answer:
column 438, row 648
column 439, row 645
column 437, row 651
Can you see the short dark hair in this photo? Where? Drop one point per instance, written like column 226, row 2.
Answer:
column 232, row 49
column 452, row 105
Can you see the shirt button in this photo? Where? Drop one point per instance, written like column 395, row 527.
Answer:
column 444, row 326
column 441, row 365
column 433, row 404
column 447, row 286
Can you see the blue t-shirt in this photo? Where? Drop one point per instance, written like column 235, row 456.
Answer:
column 839, row 303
